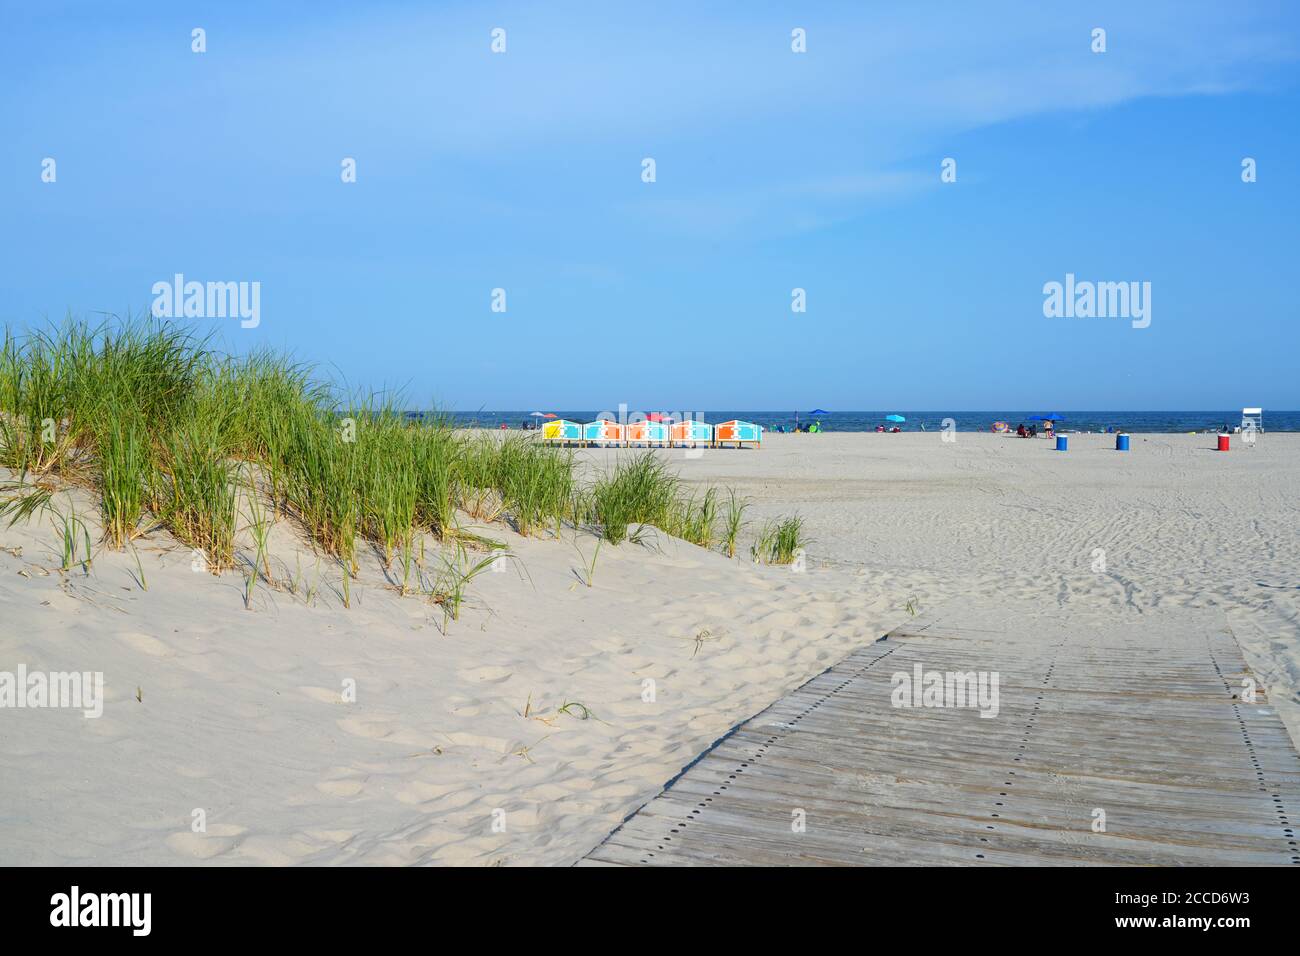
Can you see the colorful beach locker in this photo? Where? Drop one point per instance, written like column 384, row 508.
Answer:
column 738, row 432
column 602, row 431
column 652, row 433
column 691, row 431
column 561, row 429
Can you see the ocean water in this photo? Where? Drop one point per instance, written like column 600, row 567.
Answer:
column 1075, row 421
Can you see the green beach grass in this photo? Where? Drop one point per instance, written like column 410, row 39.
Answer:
column 169, row 431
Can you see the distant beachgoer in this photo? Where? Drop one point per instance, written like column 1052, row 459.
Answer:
column 1020, row 431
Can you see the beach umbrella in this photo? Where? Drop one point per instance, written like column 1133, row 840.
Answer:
column 819, row 411
column 550, row 415
column 1051, row 417
column 895, row 418
column 537, row 414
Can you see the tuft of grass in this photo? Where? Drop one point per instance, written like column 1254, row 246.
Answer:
column 641, row 490
column 73, row 534
column 193, row 487
column 25, row 500
column 139, row 570
column 390, row 480
column 734, row 520
column 778, row 541
column 124, row 472
column 346, row 587
column 696, row 522
column 589, row 565
column 436, row 458
column 575, row 708
column 459, row 569
column 322, row 480
column 480, row 483
column 536, row 484
column 259, row 525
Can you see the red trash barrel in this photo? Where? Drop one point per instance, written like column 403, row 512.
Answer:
column 1223, row 443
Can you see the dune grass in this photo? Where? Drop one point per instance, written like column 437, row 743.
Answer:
column 124, row 471
column 734, row 521
column 779, row 541
column 167, row 430
column 193, row 489
column 640, row 490
column 536, row 484
column 695, row 518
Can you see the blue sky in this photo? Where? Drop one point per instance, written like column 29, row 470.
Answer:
column 775, row 170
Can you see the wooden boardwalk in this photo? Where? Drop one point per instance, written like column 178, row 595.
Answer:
column 1145, row 722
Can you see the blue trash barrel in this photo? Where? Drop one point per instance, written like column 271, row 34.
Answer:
column 1062, row 443
column 1121, row 443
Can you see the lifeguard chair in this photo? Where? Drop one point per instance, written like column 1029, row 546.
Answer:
column 1252, row 425
column 1252, row 418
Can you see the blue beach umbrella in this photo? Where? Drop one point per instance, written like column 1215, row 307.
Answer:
column 819, row 411
column 895, row 418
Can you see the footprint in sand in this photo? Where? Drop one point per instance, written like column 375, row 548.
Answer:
column 220, row 838
column 341, row 788
column 323, row 695
column 467, row 706
column 370, row 729
column 486, row 674
column 274, row 851
column 145, row 644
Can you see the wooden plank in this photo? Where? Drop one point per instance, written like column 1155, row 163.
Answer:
column 1144, row 722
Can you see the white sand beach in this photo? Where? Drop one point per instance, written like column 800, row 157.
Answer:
column 458, row 747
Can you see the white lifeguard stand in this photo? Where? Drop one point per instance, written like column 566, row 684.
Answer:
column 1252, row 424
